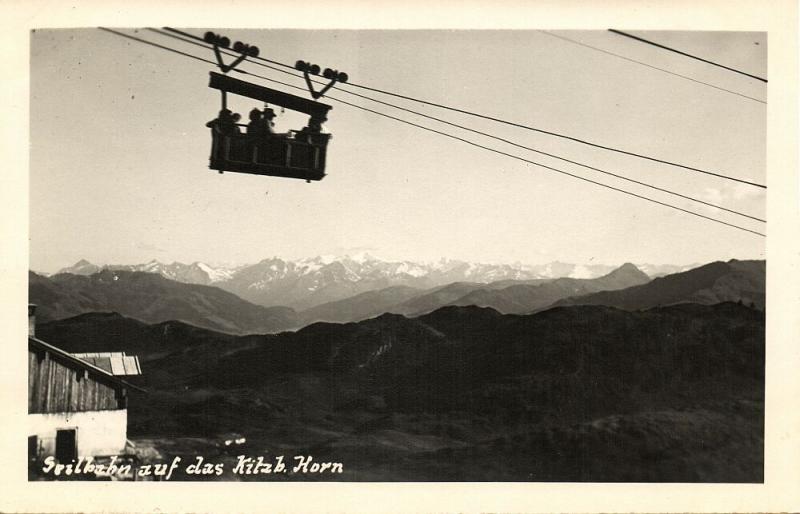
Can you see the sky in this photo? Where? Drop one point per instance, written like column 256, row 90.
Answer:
column 119, row 150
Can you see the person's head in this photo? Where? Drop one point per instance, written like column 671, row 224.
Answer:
column 269, row 113
column 236, row 117
column 255, row 114
column 225, row 113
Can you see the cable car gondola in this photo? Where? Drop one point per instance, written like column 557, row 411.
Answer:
column 296, row 154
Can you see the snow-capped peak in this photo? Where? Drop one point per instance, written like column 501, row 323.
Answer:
column 214, row 274
column 361, row 257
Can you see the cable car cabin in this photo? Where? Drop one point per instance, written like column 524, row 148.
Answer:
column 279, row 155
column 297, row 154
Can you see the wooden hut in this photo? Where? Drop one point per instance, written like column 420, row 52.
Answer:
column 75, row 407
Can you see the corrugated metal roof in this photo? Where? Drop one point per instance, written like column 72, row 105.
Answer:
column 38, row 343
column 131, row 364
column 116, row 363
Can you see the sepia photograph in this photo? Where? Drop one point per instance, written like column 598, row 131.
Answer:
column 271, row 270
column 375, row 255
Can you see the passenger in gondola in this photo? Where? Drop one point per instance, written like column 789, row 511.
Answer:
column 225, row 122
column 317, row 133
column 306, row 134
column 224, row 114
column 302, row 135
column 236, row 118
column 314, row 126
column 268, row 124
column 256, row 126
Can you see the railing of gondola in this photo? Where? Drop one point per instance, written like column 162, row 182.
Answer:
column 310, row 156
column 214, row 143
column 288, row 161
column 227, row 148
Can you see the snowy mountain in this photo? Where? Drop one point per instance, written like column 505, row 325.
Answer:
column 305, row 283
column 195, row 273
column 308, row 282
column 660, row 270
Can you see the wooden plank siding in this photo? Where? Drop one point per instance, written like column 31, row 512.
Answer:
column 57, row 385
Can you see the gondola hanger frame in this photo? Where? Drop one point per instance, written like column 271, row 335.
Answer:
column 243, row 49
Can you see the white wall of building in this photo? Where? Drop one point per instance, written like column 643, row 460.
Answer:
column 97, row 432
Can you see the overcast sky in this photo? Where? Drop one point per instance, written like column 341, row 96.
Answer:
column 119, row 150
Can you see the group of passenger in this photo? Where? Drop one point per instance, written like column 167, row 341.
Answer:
column 261, row 125
column 226, row 122
column 260, row 122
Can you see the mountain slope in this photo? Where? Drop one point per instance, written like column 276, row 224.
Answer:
column 716, row 282
column 113, row 332
column 523, row 298
column 168, row 351
column 152, row 298
column 361, row 306
column 435, row 298
column 455, row 350
column 582, row 393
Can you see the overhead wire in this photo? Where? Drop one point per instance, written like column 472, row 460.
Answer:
column 485, row 134
column 167, row 48
column 494, row 150
column 548, row 167
column 513, row 124
column 198, row 38
column 620, row 56
column 202, row 44
column 670, row 49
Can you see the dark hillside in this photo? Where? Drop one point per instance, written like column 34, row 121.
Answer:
column 717, row 282
column 522, row 298
column 361, row 306
column 152, row 298
column 464, row 393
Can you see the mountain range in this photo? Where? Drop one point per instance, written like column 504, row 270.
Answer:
column 305, row 283
column 194, row 273
column 153, row 298
column 505, row 296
